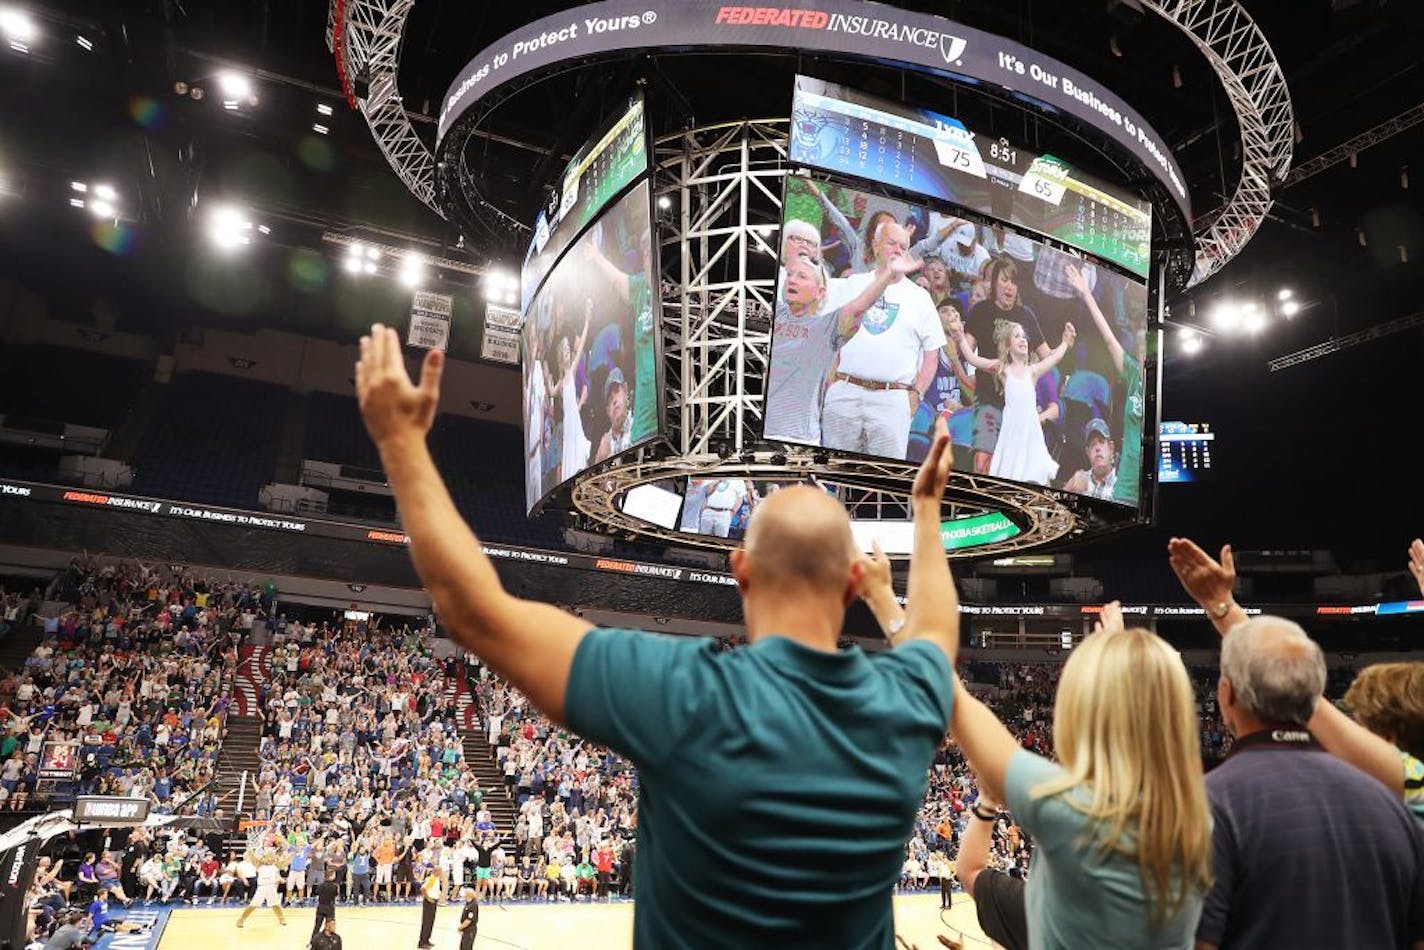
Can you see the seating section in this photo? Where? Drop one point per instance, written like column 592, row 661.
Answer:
column 43, row 382
column 335, row 432
column 214, row 440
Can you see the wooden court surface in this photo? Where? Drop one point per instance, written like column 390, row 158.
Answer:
column 502, row 926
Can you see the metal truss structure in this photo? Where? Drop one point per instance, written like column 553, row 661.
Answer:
column 1040, row 514
column 1345, row 342
column 719, row 273
column 1387, row 129
column 365, row 37
column 1244, row 62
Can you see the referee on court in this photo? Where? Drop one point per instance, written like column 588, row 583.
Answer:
column 430, row 893
column 469, row 919
column 766, row 743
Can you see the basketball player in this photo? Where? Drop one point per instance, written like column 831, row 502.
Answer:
column 267, row 893
column 764, row 744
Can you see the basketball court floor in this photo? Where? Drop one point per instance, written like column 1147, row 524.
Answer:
column 504, row 926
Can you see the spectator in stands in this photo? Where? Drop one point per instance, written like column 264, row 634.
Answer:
column 1122, row 826
column 1308, row 850
column 998, row 897
column 1387, row 741
column 642, row 695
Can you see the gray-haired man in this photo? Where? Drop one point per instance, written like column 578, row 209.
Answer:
column 1309, row 850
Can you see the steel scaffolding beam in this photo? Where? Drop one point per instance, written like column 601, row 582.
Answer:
column 1387, row 129
column 1345, row 342
column 365, row 36
column 719, row 260
column 1244, row 62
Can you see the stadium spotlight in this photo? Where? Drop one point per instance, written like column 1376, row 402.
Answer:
column 353, row 265
column 1290, row 308
column 499, row 285
column 103, row 209
column 664, row 202
column 229, row 227
column 323, row 109
column 369, row 267
column 86, row 44
column 1227, row 317
column 320, row 129
column 105, row 193
column 1285, row 293
column 79, row 186
column 412, row 270
column 234, row 86
column 1255, row 322
column 19, row 28
column 1191, row 341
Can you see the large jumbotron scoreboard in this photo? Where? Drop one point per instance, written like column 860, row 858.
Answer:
column 658, row 326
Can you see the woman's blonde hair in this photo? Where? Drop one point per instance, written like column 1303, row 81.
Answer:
column 1126, row 731
column 1388, row 700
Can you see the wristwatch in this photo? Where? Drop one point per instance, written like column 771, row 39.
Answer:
column 1221, row 609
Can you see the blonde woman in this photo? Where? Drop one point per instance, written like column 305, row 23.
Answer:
column 1122, row 827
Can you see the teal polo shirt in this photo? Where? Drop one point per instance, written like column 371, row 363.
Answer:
column 777, row 783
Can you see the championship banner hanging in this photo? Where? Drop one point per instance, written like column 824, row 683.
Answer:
column 500, row 342
column 430, row 320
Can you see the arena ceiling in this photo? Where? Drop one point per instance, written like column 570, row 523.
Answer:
column 1322, row 439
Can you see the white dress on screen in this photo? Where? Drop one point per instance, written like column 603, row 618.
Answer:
column 576, row 445
column 1021, row 453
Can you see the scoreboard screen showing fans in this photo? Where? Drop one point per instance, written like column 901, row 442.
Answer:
column 1185, row 454
column 592, row 377
column 610, row 161
column 841, row 130
column 865, row 362
column 722, row 507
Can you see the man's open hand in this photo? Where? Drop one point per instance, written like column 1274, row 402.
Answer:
column 391, row 404
column 1209, row 582
column 933, row 475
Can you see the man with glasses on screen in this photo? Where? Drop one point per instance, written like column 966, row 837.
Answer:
column 882, row 372
column 768, row 746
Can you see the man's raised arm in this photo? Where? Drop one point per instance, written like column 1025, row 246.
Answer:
column 932, row 605
column 530, row 643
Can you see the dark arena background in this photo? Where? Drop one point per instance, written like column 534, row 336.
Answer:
column 612, row 218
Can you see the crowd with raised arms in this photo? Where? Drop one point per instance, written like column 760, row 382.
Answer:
column 134, row 673
column 576, row 801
